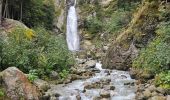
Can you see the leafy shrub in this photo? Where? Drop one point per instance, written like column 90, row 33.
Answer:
column 32, row 75
column 64, row 73
column 93, row 25
column 118, row 20
column 163, row 80
column 156, row 57
column 35, row 50
column 2, row 93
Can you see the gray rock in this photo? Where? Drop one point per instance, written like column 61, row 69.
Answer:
column 81, row 61
column 112, row 87
column 54, row 75
column 160, row 90
column 147, row 93
column 158, row 98
column 41, row 84
column 18, row 86
column 152, row 88
column 168, row 97
column 90, row 63
column 105, row 94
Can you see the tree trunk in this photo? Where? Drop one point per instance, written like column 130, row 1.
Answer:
column 1, row 1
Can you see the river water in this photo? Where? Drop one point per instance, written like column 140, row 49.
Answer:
column 121, row 80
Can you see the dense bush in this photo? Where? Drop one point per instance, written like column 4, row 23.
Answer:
column 93, row 25
column 156, row 57
column 35, row 50
column 118, row 20
column 163, row 80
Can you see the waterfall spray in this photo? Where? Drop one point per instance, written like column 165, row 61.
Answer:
column 72, row 36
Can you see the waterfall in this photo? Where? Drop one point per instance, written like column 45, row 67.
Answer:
column 72, row 36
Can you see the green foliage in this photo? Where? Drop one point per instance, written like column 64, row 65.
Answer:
column 43, row 52
column 156, row 57
column 64, row 73
column 128, row 4
column 163, row 80
column 38, row 13
column 2, row 93
column 118, row 20
column 93, row 25
column 33, row 13
column 32, row 75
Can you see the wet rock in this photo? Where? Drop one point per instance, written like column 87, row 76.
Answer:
column 105, row 94
column 160, row 90
column 78, row 97
column 67, row 80
column 54, row 75
column 147, row 93
column 78, row 71
column 75, row 77
column 152, row 88
column 104, row 99
column 97, row 98
column 53, row 98
column 168, row 97
column 105, row 48
column 18, row 86
column 154, row 93
column 112, row 93
column 112, row 87
column 129, row 83
column 91, row 63
column 81, row 61
column 45, row 97
column 41, row 84
column 158, row 98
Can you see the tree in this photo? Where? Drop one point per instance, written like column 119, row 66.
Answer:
column 1, row 1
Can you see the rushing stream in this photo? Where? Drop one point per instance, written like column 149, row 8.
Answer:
column 76, row 90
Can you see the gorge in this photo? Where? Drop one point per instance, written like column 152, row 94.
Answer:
column 85, row 50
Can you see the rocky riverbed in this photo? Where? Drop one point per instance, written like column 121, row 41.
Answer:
column 99, row 84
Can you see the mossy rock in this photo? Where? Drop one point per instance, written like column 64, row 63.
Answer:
column 140, row 31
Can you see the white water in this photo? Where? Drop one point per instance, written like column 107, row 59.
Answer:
column 72, row 36
column 118, row 78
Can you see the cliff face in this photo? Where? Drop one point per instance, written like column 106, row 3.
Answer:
column 137, row 35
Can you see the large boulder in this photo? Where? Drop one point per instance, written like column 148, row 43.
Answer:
column 18, row 86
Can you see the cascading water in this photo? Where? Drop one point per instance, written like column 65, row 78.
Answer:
column 72, row 36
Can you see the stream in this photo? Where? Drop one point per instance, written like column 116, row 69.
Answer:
column 108, row 84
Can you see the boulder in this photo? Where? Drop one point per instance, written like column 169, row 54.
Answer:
column 54, row 75
column 112, row 87
column 91, row 63
column 158, row 98
column 41, row 84
column 105, row 94
column 18, row 86
column 147, row 93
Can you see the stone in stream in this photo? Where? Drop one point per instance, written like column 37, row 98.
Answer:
column 81, row 61
column 160, row 90
column 158, row 98
column 112, row 87
column 90, row 63
column 147, row 93
column 105, row 94
column 168, row 97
